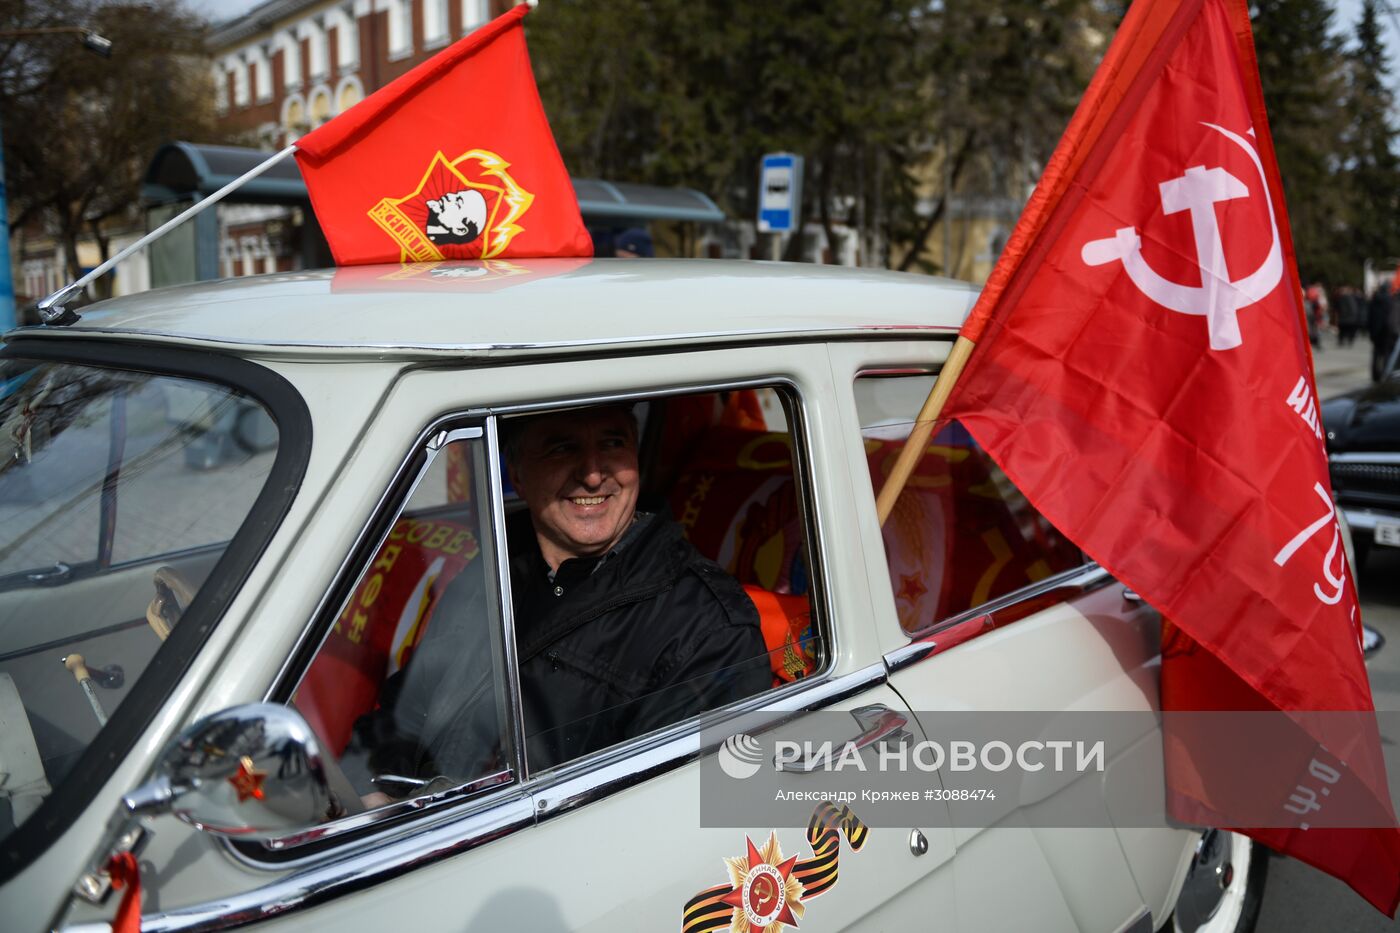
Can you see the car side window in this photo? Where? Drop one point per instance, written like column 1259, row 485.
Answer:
column 408, row 689
column 961, row 533
column 657, row 556
column 701, row 597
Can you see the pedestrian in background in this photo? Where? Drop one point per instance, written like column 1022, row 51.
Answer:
column 1315, row 304
column 1349, row 315
column 1378, row 326
column 634, row 244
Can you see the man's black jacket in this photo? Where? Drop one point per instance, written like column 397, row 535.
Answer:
column 654, row 634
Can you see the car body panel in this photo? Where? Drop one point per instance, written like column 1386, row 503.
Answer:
column 540, row 306
column 381, row 356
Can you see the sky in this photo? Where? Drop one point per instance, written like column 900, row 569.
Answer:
column 217, row 11
column 1349, row 11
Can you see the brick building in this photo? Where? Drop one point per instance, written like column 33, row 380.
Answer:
column 288, row 66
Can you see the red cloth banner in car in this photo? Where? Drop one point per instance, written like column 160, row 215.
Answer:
column 1142, row 374
column 382, row 623
column 453, row 160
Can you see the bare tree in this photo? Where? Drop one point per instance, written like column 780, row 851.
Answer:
column 79, row 129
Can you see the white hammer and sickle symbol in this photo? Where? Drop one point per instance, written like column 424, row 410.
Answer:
column 1218, row 298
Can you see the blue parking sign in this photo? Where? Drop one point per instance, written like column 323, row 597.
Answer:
column 780, row 193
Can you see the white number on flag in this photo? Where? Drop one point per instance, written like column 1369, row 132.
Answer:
column 1338, row 580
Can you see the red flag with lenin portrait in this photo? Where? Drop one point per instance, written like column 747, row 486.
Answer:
column 1141, row 372
column 452, row 160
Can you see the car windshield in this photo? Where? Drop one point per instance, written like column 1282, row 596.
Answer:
column 119, row 492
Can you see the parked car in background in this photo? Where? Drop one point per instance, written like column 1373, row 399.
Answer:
column 1363, row 446
column 190, row 636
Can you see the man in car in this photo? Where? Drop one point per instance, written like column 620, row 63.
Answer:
column 621, row 626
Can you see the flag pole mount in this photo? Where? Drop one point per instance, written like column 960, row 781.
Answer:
column 53, row 310
column 923, row 428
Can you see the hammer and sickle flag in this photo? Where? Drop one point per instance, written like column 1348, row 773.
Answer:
column 452, row 160
column 1140, row 370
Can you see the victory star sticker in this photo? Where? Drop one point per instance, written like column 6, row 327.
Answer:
column 765, row 896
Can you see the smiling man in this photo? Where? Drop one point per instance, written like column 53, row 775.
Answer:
column 621, row 626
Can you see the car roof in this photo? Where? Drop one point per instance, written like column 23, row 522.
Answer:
column 528, row 306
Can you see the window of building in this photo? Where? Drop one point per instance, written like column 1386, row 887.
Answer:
column 435, row 31
column 347, row 38
column 474, row 13
column 960, row 534
column 291, row 60
column 261, row 69
column 320, row 106
column 221, row 88
column 400, row 28
column 294, row 117
column 317, row 49
column 238, row 74
column 350, row 93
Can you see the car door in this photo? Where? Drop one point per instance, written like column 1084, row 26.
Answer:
column 617, row 838
column 989, row 609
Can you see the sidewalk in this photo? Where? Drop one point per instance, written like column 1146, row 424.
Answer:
column 1342, row 369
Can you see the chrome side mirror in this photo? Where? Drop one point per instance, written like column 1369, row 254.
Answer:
column 252, row 771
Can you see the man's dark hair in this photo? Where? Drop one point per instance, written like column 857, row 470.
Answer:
column 513, row 429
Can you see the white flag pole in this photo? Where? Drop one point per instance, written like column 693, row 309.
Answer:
column 52, row 309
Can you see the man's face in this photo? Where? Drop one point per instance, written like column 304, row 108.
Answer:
column 577, row 472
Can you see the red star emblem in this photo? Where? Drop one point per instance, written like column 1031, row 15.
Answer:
column 911, row 588
column 764, row 893
column 248, row 781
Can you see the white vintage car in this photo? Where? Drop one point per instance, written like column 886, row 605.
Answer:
column 229, row 512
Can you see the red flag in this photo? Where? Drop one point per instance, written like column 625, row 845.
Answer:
column 1142, row 373
column 453, row 160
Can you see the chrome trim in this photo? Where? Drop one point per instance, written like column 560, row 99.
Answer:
column 358, row 822
column 613, row 770
column 1365, row 457
column 879, row 724
column 1363, row 519
column 354, row 871
column 1084, row 575
column 1088, row 576
column 484, row 353
column 814, row 529
column 906, row 655
column 515, row 710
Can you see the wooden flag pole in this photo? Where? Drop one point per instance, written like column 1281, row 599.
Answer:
column 923, row 427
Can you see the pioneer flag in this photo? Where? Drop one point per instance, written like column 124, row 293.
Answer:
column 1139, row 367
column 453, row 160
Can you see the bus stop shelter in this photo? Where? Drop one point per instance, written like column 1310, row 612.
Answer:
column 274, row 209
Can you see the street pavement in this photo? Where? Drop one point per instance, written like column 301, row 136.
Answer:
column 1297, row 896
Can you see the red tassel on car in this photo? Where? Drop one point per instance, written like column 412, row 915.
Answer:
column 126, row 873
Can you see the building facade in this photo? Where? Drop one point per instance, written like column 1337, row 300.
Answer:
column 290, row 65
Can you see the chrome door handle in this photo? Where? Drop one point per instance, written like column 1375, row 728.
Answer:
column 1131, row 595
column 880, row 726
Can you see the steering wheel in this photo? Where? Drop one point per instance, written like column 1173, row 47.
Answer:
column 173, row 594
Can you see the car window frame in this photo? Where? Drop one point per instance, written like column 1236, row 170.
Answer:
column 919, row 638
column 129, row 722
column 588, row 777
